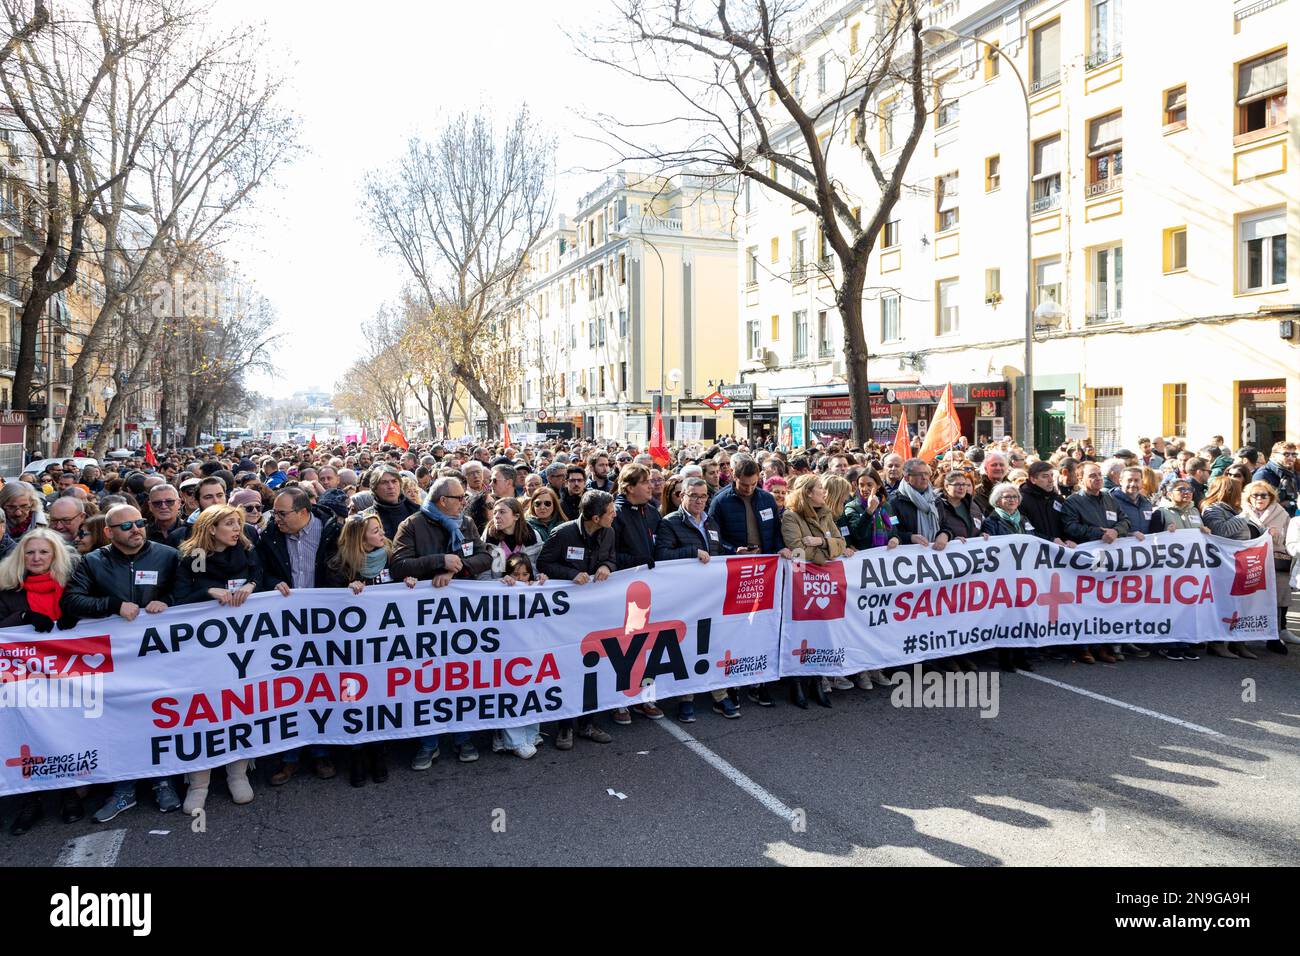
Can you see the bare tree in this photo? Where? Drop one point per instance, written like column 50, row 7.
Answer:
column 430, row 375
column 734, row 67
column 462, row 212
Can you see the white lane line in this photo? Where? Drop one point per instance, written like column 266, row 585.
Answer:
column 94, row 849
column 1119, row 703
column 731, row 773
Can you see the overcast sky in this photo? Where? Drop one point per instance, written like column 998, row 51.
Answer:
column 363, row 79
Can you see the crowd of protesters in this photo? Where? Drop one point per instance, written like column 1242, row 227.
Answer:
column 122, row 539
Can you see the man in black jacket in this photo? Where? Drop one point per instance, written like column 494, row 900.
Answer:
column 1091, row 514
column 295, row 551
column 1042, row 504
column 575, row 483
column 582, row 551
column 165, row 512
column 129, row 574
column 635, row 526
column 391, row 505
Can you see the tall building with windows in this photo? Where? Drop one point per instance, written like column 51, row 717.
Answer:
column 632, row 298
column 1162, row 177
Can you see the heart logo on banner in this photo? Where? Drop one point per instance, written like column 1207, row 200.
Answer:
column 823, row 602
column 92, row 661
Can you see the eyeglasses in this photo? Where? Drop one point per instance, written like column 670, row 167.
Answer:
column 1261, row 494
column 698, row 497
column 285, row 514
column 165, row 502
column 128, row 525
column 543, row 503
column 251, row 509
column 451, row 498
column 82, row 533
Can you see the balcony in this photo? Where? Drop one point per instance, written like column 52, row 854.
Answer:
column 1046, row 202
column 948, row 114
column 10, row 222
column 799, row 272
column 12, row 289
column 1044, row 82
column 1111, row 184
column 1104, row 318
column 1102, row 53
column 1248, row 8
column 632, row 225
column 8, row 357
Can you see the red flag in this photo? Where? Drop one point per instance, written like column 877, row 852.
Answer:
column 363, row 435
column 312, row 444
column 902, row 442
column 150, row 458
column 505, row 435
column 395, row 435
column 944, row 430
column 658, row 448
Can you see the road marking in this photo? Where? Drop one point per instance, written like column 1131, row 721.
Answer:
column 731, row 773
column 1119, row 703
column 94, row 849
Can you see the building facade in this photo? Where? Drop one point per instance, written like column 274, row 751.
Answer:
column 1162, row 178
column 631, row 299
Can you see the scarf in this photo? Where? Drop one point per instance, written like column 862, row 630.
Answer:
column 879, row 523
column 927, row 512
column 375, row 561
column 43, row 593
column 449, row 524
column 1010, row 518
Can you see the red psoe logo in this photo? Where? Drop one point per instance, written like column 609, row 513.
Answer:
column 819, row 592
column 63, row 657
column 1253, row 565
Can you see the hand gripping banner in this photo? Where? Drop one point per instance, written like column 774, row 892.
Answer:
column 884, row 608
column 198, row 686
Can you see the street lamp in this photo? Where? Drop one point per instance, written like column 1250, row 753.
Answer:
column 933, row 38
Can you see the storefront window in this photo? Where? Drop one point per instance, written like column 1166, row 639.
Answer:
column 1263, row 413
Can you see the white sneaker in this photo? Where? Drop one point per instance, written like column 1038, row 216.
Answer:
column 841, row 683
column 863, row 681
column 1288, row 637
column 826, row 684
column 878, row 677
column 525, row 751
column 537, row 741
column 498, row 745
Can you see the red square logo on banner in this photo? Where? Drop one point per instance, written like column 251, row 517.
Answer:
column 820, row 592
column 1253, row 565
column 751, row 585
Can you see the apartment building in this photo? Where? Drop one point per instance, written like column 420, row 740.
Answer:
column 1162, row 179
column 631, row 299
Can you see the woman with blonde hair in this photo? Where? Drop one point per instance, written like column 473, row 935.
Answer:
column 808, row 529
column 32, row 578
column 219, row 563
column 1221, row 512
column 1260, row 505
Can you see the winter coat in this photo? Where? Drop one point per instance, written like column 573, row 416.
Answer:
column 219, row 569
column 569, row 551
column 1043, row 510
column 422, row 545
column 635, row 527
column 794, row 528
column 728, row 509
column 679, row 538
column 274, row 550
column 1086, row 516
column 106, row 579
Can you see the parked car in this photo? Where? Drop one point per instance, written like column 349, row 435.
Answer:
column 41, row 464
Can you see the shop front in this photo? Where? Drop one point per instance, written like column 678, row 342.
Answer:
column 983, row 408
column 1261, row 413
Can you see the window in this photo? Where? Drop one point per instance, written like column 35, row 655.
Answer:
column 1175, row 249
column 888, row 111
column 992, row 61
column 1175, row 416
column 1261, row 93
column 853, row 38
column 622, row 269
column 821, row 73
column 796, row 81
column 946, row 112
column 591, row 334
column 823, row 334
column 855, row 125
column 823, row 250
column 800, row 335
column 776, row 249
column 600, row 279
column 945, row 202
column 946, row 319
column 1107, row 265
column 891, row 234
column 1105, row 154
column 799, row 255
column 600, row 329
column 992, row 173
column 1047, row 173
column 1176, row 107
column 751, row 266
column 1262, row 250
column 749, row 194
column 1105, row 38
column 1047, row 281
column 776, row 328
column 1045, row 52
column 890, row 327
column 754, row 349
column 992, row 286
column 1104, row 408
column 622, row 323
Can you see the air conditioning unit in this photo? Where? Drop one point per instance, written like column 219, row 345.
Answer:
column 837, row 367
column 770, row 359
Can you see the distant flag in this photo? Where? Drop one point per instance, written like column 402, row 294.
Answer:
column 505, row 435
column 903, row 443
column 944, row 430
column 150, row 458
column 363, row 434
column 395, row 435
column 658, row 448
column 312, row 444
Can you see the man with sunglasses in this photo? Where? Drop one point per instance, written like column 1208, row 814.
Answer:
column 164, row 512
column 1281, row 474
column 128, row 575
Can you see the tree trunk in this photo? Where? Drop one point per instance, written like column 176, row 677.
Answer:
column 849, row 301
column 491, row 408
column 191, row 432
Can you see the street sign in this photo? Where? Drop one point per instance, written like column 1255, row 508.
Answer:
column 716, row 401
column 738, row 393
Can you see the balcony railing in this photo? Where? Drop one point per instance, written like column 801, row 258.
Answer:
column 1110, row 184
column 12, row 288
column 799, row 272
column 1043, row 82
column 1049, row 201
column 8, row 357
column 1104, row 318
column 1102, row 53
column 948, row 114
column 1248, row 8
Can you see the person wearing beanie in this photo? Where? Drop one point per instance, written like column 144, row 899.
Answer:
column 250, row 503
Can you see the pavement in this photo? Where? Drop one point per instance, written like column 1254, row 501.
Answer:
column 1145, row 762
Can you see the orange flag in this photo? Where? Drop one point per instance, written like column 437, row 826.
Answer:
column 658, row 449
column 312, row 444
column 505, row 435
column 944, row 430
column 902, row 441
column 395, row 435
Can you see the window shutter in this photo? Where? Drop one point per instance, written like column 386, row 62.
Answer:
column 1104, row 132
column 1047, row 157
column 1261, row 77
column 1176, row 99
column 1262, row 227
column 1047, row 49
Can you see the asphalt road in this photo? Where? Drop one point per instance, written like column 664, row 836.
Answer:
column 1195, row 776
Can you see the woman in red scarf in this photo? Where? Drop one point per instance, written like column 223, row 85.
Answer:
column 32, row 578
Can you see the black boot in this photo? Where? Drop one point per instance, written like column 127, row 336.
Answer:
column 1005, row 660
column 816, row 693
column 1021, row 659
column 72, row 809
column 797, row 696
column 357, row 767
column 29, row 814
column 378, row 763
column 1277, row 647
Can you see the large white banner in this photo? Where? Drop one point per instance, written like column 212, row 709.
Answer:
column 883, row 608
column 198, row 686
